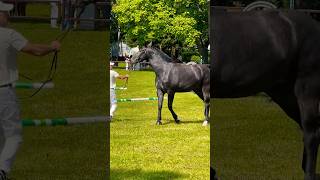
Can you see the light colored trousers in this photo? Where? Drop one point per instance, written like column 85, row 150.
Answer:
column 113, row 101
column 10, row 127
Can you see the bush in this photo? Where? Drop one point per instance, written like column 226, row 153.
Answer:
column 196, row 59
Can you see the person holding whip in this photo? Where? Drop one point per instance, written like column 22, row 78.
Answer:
column 11, row 43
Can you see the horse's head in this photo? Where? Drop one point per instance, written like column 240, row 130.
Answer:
column 141, row 56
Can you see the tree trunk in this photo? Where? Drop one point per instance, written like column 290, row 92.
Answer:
column 203, row 51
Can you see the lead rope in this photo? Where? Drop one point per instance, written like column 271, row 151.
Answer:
column 54, row 61
column 51, row 74
column 124, row 87
column 126, row 83
column 53, row 67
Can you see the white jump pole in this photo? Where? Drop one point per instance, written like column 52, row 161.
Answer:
column 23, row 85
column 64, row 121
column 137, row 99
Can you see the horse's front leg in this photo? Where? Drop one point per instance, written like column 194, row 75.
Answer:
column 170, row 102
column 160, row 95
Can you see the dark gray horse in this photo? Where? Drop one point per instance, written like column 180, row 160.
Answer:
column 273, row 52
column 175, row 77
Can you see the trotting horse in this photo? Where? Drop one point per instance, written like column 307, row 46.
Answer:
column 273, row 52
column 175, row 77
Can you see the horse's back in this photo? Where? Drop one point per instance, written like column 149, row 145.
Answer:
column 255, row 51
column 184, row 78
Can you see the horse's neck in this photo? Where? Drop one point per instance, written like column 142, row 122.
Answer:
column 159, row 65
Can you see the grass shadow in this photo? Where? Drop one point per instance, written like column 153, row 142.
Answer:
column 182, row 122
column 141, row 174
column 166, row 122
column 192, row 122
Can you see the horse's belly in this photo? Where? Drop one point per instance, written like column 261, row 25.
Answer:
column 247, row 83
column 177, row 88
column 180, row 83
column 226, row 91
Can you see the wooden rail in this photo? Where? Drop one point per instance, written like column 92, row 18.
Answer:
column 61, row 16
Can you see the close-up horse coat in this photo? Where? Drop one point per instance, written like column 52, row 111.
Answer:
column 272, row 51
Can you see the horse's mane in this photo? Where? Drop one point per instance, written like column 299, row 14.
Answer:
column 163, row 55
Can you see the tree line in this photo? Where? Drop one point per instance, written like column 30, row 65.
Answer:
column 178, row 27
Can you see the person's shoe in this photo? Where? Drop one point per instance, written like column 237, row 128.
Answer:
column 3, row 175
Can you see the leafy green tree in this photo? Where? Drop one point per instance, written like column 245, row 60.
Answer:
column 172, row 24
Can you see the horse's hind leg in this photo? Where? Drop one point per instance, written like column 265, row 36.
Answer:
column 286, row 99
column 206, row 100
column 206, row 111
column 160, row 95
column 309, row 99
column 310, row 123
column 170, row 102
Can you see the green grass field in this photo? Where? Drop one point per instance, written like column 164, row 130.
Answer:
column 253, row 139
column 81, row 89
column 142, row 150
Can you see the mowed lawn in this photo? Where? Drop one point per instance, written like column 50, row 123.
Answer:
column 81, row 89
column 142, row 150
column 253, row 139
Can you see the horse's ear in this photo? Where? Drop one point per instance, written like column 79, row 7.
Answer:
column 150, row 45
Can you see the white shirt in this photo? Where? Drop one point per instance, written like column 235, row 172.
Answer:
column 11, row 42
column 113, row 76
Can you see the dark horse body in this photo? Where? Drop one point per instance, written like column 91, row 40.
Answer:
column 175, row 77
column 276, row 53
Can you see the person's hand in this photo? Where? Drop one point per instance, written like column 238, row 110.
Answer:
column 55, row 45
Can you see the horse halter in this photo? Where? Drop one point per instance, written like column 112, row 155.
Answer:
column 139, row 59
column 142, row 51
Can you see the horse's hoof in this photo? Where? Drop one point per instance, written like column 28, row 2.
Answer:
column 205, row 123
column 177, row 121
column 213, row 174
column 159, row 123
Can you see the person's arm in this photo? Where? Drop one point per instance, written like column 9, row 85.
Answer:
column 41, row 49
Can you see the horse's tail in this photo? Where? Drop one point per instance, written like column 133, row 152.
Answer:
column 206, row 71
